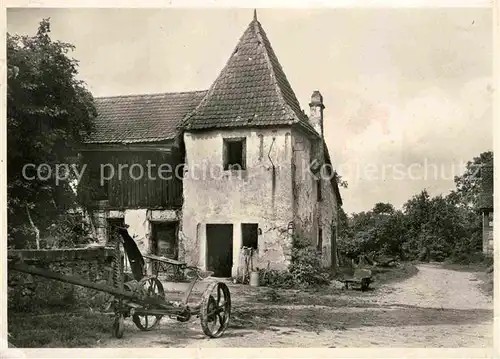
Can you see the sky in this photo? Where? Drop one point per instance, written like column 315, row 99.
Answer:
column 408, row 92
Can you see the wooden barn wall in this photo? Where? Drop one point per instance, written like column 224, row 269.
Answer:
column 144, row 192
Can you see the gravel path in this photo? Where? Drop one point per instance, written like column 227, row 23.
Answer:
column 435, row 308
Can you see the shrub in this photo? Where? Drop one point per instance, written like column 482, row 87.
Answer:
column 463, row 257
column 467, row 251
column 276, row 278
column 66, row 231
column 305, row 269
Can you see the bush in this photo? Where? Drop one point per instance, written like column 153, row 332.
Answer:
column 67, row 231
column 467, row 251
column 472, row 257
column 305, row 269
column 276, row 278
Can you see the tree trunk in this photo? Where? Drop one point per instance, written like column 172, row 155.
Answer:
column 35, row 228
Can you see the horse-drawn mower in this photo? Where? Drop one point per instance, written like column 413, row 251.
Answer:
column 142, row 296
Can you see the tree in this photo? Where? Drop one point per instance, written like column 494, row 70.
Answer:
column 468, row 185
column 49, row 112
column 383, row 208
column 428, row 228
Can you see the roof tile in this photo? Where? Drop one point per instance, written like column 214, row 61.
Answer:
column 252, row 86
column 142, row 118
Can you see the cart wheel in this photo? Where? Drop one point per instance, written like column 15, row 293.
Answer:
column 151, row 288
column 118, row 326
column 215, row 310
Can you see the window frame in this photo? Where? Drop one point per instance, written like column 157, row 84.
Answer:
column 225, row 155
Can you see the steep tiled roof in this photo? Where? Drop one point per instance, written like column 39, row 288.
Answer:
column 251, row 90
column 142, row 118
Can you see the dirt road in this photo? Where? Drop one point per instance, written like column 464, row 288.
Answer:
column 435, row 308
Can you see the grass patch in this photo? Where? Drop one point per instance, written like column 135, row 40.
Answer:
column 400, row 272
column 58, row 331
column 317, row 319
column 472, row 267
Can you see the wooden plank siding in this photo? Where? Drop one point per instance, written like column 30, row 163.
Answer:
column 126, row 191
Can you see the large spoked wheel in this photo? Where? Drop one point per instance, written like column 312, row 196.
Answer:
column 151, row 288
column 215, row 310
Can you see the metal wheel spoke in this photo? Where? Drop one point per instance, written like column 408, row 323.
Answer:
column 218, row 294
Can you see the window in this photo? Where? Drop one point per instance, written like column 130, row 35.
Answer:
column 318, row 190
column 320, row 239
column 234, row 154
column 164, row 241
column 250, row 235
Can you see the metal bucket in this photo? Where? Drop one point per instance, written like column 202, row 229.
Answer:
column 254, row 279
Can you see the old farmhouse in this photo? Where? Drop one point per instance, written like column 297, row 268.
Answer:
column 250, row 160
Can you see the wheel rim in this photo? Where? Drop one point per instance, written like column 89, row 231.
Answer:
column 151, row 288
column 215, row 310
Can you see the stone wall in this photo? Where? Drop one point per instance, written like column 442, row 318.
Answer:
column 139, row 222
column 309, row 213
column 29, row 293
column 304, row 188
column 328, row 220
column 488, row 233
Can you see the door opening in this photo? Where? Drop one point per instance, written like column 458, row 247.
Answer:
column 164, row 243
column 220, row 249
column 164, row 240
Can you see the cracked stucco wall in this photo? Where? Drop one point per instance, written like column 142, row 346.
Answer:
column 236, row 197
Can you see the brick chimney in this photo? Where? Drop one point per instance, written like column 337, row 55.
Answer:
column 316, row 112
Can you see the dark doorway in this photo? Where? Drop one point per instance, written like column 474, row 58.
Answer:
column 164, row 240
column 220, row 249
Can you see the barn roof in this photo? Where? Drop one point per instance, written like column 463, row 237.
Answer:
column 142, row 118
